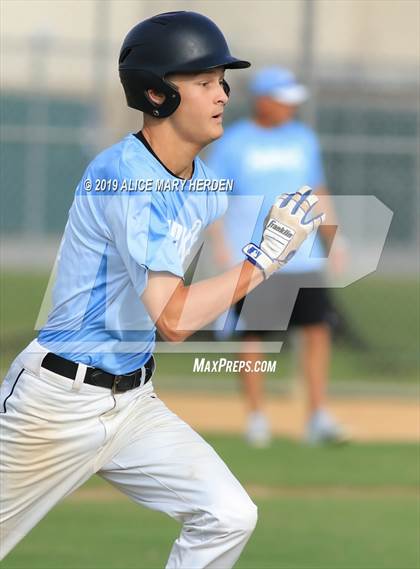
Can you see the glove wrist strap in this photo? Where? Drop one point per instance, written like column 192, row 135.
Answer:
column 257, row 257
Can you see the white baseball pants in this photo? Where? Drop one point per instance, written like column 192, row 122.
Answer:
column 55, row 433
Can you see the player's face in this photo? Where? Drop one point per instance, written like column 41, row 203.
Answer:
column 199, row 117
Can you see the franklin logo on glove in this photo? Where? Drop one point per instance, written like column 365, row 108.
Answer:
column 286, row 231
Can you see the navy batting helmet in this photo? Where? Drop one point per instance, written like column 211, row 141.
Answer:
column 174, row 42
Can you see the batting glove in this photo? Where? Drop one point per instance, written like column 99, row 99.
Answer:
column 286, row 227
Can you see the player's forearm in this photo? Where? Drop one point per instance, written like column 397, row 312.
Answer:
column 193, row 307
column 215, row 231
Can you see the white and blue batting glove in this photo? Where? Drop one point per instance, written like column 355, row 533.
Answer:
column 287, row 225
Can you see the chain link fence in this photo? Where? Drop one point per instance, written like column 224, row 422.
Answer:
column 369, row 135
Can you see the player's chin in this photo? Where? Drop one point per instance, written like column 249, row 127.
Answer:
column 215, row 131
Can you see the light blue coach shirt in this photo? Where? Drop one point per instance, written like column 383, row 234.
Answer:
column 122, row 224
column 263, row 163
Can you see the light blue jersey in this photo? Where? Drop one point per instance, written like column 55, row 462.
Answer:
column 263, row 163
column 122, row 224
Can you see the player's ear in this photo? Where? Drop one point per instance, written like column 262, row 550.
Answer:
column 155, row 97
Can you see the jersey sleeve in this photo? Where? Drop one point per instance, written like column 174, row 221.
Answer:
column 141, row 233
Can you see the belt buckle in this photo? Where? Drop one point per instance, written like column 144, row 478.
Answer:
column 119, row 378
column 115, row 383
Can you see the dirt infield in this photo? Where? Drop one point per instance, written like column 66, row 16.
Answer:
column 367, row 420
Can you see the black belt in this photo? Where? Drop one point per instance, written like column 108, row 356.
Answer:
column 98, row 377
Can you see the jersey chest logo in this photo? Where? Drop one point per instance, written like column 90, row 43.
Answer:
column 184, row 237
column 260, row 159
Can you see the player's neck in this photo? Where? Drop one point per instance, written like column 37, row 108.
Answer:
column 176, row 154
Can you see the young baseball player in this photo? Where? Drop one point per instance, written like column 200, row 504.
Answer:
column 79, row 400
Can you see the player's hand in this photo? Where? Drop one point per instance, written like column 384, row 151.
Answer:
column 287, row 225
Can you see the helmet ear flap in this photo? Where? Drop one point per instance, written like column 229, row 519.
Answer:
column 136, row 83
column 226, row 87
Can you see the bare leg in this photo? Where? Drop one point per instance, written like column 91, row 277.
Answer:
column 252, row 382
column 315, row 355
column 258, row 429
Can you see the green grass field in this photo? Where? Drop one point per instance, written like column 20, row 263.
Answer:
column 319, row 508
column 351, row 507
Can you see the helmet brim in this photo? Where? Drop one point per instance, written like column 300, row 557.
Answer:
column 236, row 63
column 206, row 63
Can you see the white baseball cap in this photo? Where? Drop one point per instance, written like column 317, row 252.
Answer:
column 280, row 84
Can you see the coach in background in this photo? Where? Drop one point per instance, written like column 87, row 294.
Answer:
column 268, row 154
